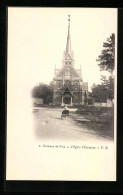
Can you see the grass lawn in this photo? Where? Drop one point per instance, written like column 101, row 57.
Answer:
column 101, row 119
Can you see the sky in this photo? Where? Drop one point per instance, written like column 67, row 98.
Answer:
column 37, row 39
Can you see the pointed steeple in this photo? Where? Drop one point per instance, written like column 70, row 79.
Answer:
column 68, row 45
column 68, row 53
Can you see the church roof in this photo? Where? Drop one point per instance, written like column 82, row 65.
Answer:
column 61, row 72
column 73, row 72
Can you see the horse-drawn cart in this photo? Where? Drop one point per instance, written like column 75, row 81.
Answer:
column 65, row 114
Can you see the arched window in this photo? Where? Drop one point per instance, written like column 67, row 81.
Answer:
column 59, row 84
column 76, row 85
column 67, row 71
column 68, row 63
column 67, row 83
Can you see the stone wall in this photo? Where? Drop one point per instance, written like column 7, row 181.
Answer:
column 37, row 101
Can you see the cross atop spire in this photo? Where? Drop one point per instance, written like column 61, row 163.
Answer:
column 69, row 18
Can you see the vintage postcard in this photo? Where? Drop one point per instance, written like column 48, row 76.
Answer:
column 61, row 94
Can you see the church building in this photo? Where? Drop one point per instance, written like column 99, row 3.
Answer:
column 68, row 86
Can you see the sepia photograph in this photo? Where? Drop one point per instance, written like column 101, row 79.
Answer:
column 61, row 94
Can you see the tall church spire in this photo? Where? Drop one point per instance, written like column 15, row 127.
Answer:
column 68, row 53
column 68, row 45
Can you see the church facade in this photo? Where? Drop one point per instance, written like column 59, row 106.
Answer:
column 68, row 86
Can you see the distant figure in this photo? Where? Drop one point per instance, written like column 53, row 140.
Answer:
column 65, row 108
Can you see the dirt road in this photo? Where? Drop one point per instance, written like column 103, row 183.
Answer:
column 49, row 125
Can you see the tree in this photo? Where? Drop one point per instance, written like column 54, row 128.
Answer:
column 107, row 58
column 108, row 86
column 99, row 93
column 105, row 90
column 85, row 97
column 106, row 62
column 90, row 98
column 43, row 91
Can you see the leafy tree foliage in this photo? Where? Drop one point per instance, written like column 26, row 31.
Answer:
column 99, row 93
column 108, row 86
column 107, row 58
column 103, row 91
column 90, row 98
column 43, row 91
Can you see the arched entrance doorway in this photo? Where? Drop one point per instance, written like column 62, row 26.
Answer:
column 67, row 99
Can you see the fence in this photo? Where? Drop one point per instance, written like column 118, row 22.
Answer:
column 102, row 104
